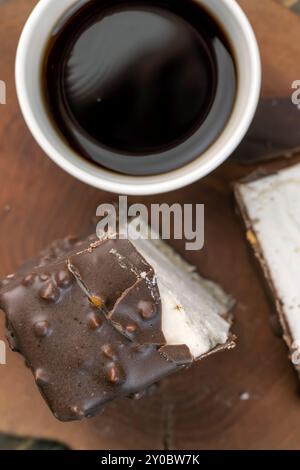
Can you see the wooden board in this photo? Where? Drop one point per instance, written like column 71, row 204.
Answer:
column 200, row 408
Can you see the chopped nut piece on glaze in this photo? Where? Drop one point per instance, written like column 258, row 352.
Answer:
column 41, row 376
column 97, row 301
column 78, row 413
column 42, row 329
column 49, row 292
column 64, row 278
column 114, row 374
column 95, row 320
column 131, row 328
column 146, row 309
column 28, row 279
column 108, row 351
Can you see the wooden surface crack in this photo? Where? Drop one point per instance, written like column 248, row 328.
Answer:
column 168, row 425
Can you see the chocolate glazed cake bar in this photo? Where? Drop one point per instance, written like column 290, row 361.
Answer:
column 269, row 205
column 99, row 319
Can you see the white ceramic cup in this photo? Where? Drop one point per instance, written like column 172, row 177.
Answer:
column 30, row 53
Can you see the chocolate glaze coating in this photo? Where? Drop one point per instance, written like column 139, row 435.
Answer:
column 274, row 132
column 79, row 358
column 132, row 282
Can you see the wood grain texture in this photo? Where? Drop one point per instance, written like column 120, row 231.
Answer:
column 202, row 407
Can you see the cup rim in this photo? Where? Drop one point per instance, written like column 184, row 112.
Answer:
column 114, row 182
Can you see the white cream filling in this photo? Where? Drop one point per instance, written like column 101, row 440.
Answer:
column 192, row 307
column 273, row 206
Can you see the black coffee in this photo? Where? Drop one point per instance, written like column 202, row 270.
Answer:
column 140, row 87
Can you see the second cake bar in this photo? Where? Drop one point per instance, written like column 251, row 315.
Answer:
column 269, row 205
